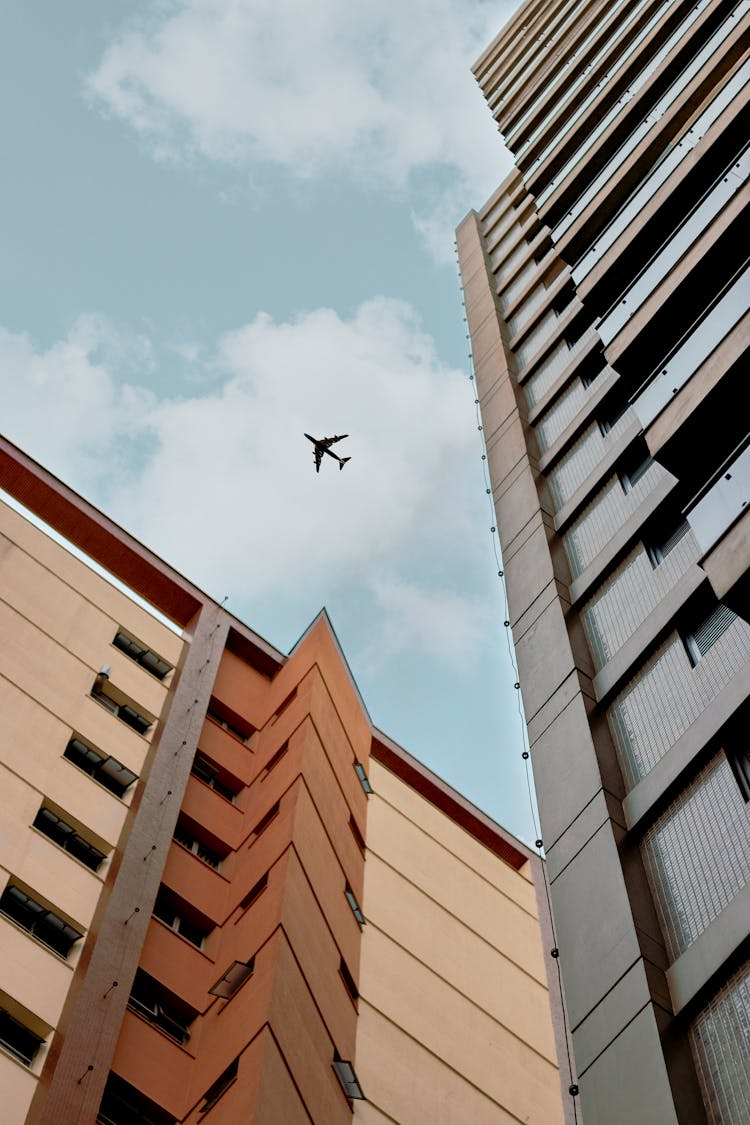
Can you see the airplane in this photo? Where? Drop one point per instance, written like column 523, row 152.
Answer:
column 321, row 447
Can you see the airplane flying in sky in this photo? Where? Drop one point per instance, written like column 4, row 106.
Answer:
column 322, row 446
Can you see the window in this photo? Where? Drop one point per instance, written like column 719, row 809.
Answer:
column 739, row 760
column 222, row 1083
column 357, row 834
column 229, row 721
column 287, row 703
column 36, row 919
column 704, row 635
column 235, row 976
column 208, row 772
column 150, row 999
column 660, row 546
column 142, row 655
column 107, row 771
column 168, row 909
column 347, row 1077
column 634, row 468
column 254, row 892
column 359, row 769
column 276, row 758
column 17, row 1039
column 264, row 822
column 184, row 836
column 348, row 980
column 122, row 1104
column 354, row 905
column 103, row 693
column 66, row 836
column 613, row 412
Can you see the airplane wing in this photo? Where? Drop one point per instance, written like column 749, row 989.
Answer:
column 318, row 458
column 325, row 442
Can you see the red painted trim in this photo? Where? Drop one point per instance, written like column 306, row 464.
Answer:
column 120, row 553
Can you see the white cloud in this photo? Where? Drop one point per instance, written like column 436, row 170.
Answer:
column 64, row 405
column 221, row 482
column 430, row 620
column 380, row 91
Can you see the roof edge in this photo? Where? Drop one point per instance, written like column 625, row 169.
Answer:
column 444, row 797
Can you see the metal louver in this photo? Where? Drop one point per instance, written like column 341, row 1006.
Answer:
column 709, row 631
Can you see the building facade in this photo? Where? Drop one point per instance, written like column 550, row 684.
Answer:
column 607, row 289
column 224, row 895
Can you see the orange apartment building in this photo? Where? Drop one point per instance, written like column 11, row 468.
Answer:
column 225, row 896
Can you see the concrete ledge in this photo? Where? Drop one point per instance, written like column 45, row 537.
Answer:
column 648, row 633
column 667, row 772
column 620, row 542
column 603, row 385
column 571, row 508
column 600, row 809
column 707, row 954
column 554, row 291
column 619, row 1007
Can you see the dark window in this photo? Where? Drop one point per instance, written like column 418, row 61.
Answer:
column 254, row 892
column 170, row 910
column 287, row 703
column 276, row 758
column 347, row 1077
column 122, row 1104
column 264, row 821
column 66, row 836
column 17, row 1039
column 636, row 466
column 705, row 635
column 36, row 919
column 348, row 980
column 102, row 693
column 183, row 835
column 359, row 769
column 235, row 976
column 660, row 545
column 152, row 1000
column 739, row 759
column 357, row 834
column 142, row 655
column 107, row 771
column 354, row 905
column 222, row 1083
column 208, row 772
column 231, row 722
column 611, row 415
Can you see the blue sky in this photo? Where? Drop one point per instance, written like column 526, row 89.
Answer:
column 227, row 222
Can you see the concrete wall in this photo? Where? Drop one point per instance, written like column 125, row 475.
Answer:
column 58, row 620
column 454, row 1013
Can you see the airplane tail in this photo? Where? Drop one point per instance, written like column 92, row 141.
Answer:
column 342, row 461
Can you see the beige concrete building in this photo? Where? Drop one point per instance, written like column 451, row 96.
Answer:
column 454, row 1006
column 607, row 292
column 225, row 896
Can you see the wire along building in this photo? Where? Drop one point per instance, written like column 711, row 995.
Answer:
column 607, row 286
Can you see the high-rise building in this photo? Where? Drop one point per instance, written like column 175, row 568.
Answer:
column 225, row 896
column 607, row 289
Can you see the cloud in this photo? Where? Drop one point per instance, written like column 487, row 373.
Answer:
column 379, row 91
column 47, row 396
column 430, row 620
column 221, row 481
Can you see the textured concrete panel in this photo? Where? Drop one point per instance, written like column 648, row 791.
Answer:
column 627, row 1085
column 544, row 658
column 565, row 782
column 593, row 957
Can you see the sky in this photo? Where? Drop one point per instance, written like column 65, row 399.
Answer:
column 230, row 222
